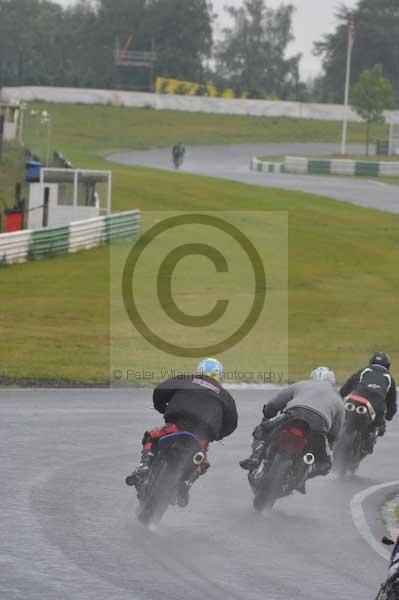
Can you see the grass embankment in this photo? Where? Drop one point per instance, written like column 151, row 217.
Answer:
column 342, row 259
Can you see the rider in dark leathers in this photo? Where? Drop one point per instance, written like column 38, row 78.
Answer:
column 375, row 384
column 196, row 403
column 316, row 403
column 178, row 152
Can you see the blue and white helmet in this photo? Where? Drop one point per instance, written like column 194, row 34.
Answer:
column 323, row 374
column 210, row 367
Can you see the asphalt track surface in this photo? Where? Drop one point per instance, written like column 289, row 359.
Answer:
column 232, row 162
column 69, row 532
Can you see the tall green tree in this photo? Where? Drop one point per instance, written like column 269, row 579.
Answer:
column 182, row 33
column 371, row 96
column 377, row 42
column 252, row 54
column 42, row 43
column 116, row 23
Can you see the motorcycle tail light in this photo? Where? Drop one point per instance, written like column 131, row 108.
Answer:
column 293, row 440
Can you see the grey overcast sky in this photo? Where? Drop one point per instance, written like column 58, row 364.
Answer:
column 312, row 19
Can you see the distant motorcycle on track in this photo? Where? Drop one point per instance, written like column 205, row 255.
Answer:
column 357, row 437
column 286, row 464
column 178, row 153
column 390, row 588
column 178, row 455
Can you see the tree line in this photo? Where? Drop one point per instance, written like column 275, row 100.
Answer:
column 43, row 43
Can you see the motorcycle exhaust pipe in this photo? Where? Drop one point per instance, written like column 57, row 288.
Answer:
column 309, row 459
column 198, row 458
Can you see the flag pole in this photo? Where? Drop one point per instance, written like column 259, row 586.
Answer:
column 351, row 33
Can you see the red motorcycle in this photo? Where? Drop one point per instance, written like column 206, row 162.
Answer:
column 357, row 438
column 287, row 462
column 179, row 454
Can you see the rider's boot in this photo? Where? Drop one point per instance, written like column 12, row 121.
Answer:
column 183, row 493
column 302, row 488
column 321, row 467
column 140, row 474
column 253, row 461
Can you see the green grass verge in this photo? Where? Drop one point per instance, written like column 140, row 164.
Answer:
column 342, row 265
column 81, row 132
column 342, row 259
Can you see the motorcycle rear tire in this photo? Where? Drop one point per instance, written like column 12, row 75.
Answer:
column 153, row 508
column 269, row 489
column 344, row 461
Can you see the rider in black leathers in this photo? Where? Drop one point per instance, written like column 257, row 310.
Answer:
column 375, row 384
column 178, row 152
column 197, row 403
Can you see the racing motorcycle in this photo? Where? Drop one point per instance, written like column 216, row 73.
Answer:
column 178, row 157
column 358, row 434
column 390, row 588
column 286, row 464
column 178, row 455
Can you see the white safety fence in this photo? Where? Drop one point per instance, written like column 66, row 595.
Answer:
column 342, row 167
column 389, row 169
column 266, row 108
column 263, row 166
column 86, row 234
column 14, row 247
column 296, row 164
column 36, row 244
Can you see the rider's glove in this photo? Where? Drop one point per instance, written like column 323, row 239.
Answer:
column 268, row 412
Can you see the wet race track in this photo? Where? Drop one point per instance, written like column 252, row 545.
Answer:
column 232, row 162
column 69, row 531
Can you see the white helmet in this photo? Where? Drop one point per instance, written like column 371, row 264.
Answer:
column 323, row 374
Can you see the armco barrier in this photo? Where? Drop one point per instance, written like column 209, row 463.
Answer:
column 14, row 247
column 37, row 244
column 296, row 164
column 49, row 242
column 367, row 169
column 319, row 166
column 266, row 167
column 86, row 234
column 122, row 225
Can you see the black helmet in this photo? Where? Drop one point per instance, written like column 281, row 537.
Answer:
column 380, row 358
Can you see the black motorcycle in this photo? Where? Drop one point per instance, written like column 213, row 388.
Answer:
column 178, row 455
column 357, row 438
column 178, row 157
column 286, row 464
column 390, row 588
